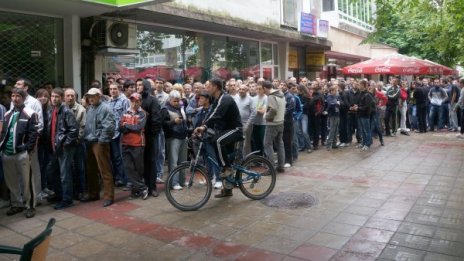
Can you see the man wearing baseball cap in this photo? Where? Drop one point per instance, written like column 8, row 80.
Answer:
column 99, row 129
column 132, row 128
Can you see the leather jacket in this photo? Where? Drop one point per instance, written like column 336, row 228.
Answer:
column 67, row 128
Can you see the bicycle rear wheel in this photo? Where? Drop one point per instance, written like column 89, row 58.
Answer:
column 196, row 187
column 261, row 180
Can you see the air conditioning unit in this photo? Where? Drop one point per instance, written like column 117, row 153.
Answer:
column 114, row 34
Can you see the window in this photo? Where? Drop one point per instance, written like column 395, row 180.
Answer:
column 328, row 5
column 290, row 11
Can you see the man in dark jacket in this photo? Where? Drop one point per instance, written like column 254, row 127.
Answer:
column 364, row 109
column 152, row 129
column 421, row 97
column 98, row 132
column 64, row 131
column 226, row 122
column 19, row 137
column 393, row 94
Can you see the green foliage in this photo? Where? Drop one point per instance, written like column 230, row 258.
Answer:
column 428, row 29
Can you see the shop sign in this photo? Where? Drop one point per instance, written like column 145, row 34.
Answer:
column 120, row 3
column 307, row 23
column 293, row 59
column 315, row 59
column 323, row 29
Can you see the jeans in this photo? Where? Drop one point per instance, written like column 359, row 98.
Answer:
column 453, row 116
column 334, row 122
column 365, row 126
column 79, row 169
column 445, row 114
column 211, row 160
column 412, row 110
column 116, row 160
column 296, row 134
column 305, row 129
column 161, row 154
column 376, row 126
column 324, row 128
column 177, row 153
column 59, row 171
column 273, row 135
column 434, row 116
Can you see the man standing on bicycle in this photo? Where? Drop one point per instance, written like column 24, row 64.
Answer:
column 225, row 125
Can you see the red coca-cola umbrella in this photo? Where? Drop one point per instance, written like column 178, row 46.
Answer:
column 444, row 70
column 393, row 64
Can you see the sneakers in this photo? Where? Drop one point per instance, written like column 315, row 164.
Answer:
column 287, row 165
column 280, row 169
column 309, row 150
column 218, row 185
column 382, row 143
column 365, row 148
column 49, row 192
column 144, row 194
column 342, row 145
column 159, row 181
column 405, row 133
column 460, row 136
column 359, row 146
column 176, row 187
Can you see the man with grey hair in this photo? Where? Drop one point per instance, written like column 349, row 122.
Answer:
column 245, row 106
column 175, row 131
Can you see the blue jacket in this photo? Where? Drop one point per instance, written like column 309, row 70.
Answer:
column 333, row 108
column 170, row 127
column 298, row 108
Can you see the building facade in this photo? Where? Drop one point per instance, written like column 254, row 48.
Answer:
column 72, row 42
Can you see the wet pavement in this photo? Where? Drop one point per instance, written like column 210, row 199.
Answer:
column 403, row 201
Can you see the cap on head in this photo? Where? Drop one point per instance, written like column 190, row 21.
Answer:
column 93, row 91
column 136, row 97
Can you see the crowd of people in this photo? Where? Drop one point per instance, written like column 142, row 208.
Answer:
column 59, row 148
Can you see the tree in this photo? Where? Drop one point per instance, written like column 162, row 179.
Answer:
column 428, row 29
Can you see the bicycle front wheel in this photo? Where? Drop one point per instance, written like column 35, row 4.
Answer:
column 258, row 178
column 196, row 187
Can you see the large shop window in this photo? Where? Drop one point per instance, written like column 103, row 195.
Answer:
column 290, row 11
column 176, row 55
column 32, row 47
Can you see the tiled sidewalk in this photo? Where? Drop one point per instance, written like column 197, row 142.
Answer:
column 404, row 201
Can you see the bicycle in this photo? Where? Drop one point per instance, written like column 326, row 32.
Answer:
column 254, row 175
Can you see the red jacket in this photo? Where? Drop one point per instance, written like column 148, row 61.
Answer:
column 132, row 128
column 381, row 99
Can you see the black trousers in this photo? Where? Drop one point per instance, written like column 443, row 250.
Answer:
column 288, row 140
column 421, row 110
column 149, row 162
column 343, row 127
column 224, row 142
column 315, row 126
column 390, row 116
column 353, row 127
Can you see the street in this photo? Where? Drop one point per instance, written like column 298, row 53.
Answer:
column 403, row 201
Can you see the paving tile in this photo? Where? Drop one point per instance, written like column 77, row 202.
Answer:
column 447, row 247
column 450, row 234
column 372, row 234
column 417, row 229
column 360, row 210
column 87, row 248
column 351, row 219
column 440, row 257
column 395, row 214
column 427, row 210
column 313, row 252
column 365, row 247
column 392, row 252
column 410, row 241
column 340, row 229
column 278, row 244
column 425, row 219
column 384, row 224
column 353, row 256
column 329, row 240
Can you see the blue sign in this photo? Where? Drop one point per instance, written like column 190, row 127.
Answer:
column 307, row 23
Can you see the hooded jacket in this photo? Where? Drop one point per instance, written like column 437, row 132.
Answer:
column 152, row 107
column 224, row 114
column 276, row 103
